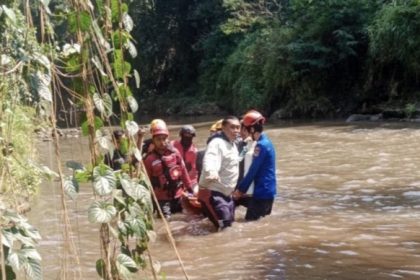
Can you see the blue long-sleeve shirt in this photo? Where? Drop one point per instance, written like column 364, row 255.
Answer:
column 262, row 171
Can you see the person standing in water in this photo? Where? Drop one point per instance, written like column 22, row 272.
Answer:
column 220, row 174
column 262, row 171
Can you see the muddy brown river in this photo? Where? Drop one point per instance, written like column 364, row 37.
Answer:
column 348, row 207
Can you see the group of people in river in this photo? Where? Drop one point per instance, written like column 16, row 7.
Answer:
column 237, row 167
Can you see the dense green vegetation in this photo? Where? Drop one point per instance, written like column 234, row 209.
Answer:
column 310, row 58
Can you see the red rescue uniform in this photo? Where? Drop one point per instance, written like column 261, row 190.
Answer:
column 168, row 174
column 190, row 157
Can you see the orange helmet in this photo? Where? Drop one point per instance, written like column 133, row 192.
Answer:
column 158, row 127
column 253, row 117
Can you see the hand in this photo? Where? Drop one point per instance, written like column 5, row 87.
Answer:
column 212, row 178
column 237, row 195
column 193, row 200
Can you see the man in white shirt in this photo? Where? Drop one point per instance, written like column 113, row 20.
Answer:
column 220, row 174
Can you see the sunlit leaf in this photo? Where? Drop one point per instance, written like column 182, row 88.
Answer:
column 71, row 187
column 104, row 140
column 137, row 78
column 9, row 13
column 132, row 127
column 131, row 49
column 29, row 252
column 124, row 264
column 104, row 43
column 132, row 102
column 14, row 260
column 118, row 196
column 7, row 238
column 98, row 65
column 128, row 22
column 101, row 212
column 33, row 269
column 136, row 153
column 104, row 180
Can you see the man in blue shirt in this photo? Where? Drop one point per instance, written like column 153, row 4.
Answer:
column 262, row 170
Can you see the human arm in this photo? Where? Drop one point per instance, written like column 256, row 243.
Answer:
column 258, row 158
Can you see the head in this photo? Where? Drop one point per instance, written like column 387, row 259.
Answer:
column 231, row 127
column 253, row 122
column 187, row 133
column 160, row 134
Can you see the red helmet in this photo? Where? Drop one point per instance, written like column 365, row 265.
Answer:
column 253, row 117
column 158, row 127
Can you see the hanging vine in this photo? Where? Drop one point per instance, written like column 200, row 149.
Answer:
column 87, row 63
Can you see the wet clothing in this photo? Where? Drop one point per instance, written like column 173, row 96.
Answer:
column 258, row 208
column 220, row 209
column 189, row 155
column 220, row 160
column 263, row 173
column 168, row 176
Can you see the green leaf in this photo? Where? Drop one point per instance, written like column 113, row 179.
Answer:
column 101, row 212
column 73, row 64
column 85, row 21
column 104, row 180
column 82, row 176
column 71, row 187
column 132, row 102
column 80, row 20
column 98, row 124
column 125, row 265
column 121, row 68
column 10, row 274
column 100, row 268
column 74, row 165
column 138, row 227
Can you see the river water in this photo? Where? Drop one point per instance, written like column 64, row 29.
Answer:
column 348, row 207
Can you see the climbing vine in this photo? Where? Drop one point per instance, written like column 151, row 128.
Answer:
column 78, row 49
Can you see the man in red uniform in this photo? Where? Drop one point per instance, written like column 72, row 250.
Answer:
column 188, row 151
column 166, row 171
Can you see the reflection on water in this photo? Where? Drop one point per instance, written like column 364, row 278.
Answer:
column 348, row 207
